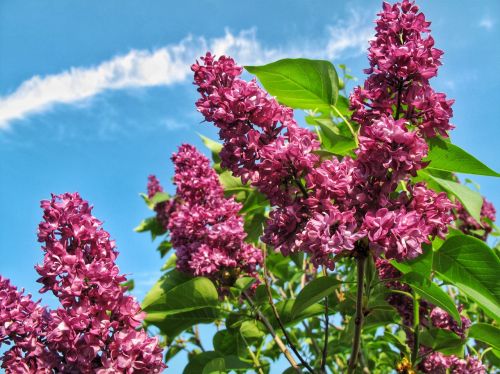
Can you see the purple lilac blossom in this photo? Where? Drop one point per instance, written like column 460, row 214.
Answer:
column 97, row 327
column 204, row 226
column 470, row 226
column 326, row 207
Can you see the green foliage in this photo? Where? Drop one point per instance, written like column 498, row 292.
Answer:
column 432, row 293
column 449, row 157
column 471, row 200
column 177, row 302
column 486, row 333
column 332, row 140
column 469, row 264
column 443, row 341
column 300, row 83
column 242, row 311
column 152, row 225
column 313, row 292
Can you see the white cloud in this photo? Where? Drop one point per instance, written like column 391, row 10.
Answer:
column 487, row 23
column 167, row 66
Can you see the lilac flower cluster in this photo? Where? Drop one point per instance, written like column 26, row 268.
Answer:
column 97, row 326
column 430, row 316
column 438, row 363
column 205, row 227
column 402, row 60
column 327, row 207
column 23, row 323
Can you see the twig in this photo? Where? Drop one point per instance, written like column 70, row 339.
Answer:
column 416, row 328
column 325, row 344
column 358, row 321
column 197, row 338
column 398, row 107
column 255, row 360
column 276, row 338
column 282, row 326
column 315, row 345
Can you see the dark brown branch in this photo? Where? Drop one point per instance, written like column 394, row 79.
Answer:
column 358, row 321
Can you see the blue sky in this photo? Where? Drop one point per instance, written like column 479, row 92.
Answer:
column 95, row 95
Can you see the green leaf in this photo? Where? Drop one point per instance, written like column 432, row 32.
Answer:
column 147, row 200
column 471, row 200
column 447, row 156
column 130, row 284
column 174, row 324
column 198, row 362
column 224, row 365
column 160, row 197
column 230, row 183
column 443, row 341
column 254, row 228
column 421, row 264
column 174, row 294
column 152, row 225
column 170, row 263
column 379, row 317
column 335, row 143
column 213, row 146
column 486, row 333
column 177, row 302
column 300, row 83
column 431, row 292
column 225, row 342
column 469, row 264
column 164, row 247
column 215, row 366
column 313, row 292
column 285, row 311
column 252, row 330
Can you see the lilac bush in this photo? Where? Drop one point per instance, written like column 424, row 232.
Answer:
column 345, row 244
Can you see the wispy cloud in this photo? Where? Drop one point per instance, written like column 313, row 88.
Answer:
column 487, row 23
column 168, row 66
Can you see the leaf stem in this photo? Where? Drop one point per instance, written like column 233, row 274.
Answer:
column 349, row 125
column 270, row 328
column 416, row 328
column 358, row 321
column 407, row 294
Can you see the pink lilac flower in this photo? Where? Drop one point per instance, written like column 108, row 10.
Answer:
column 388, row 151
column 438, row 363
column 442, row 319
column 263, row 144
column 23, row 324
column 470, row 226
column 96, row 326
column 402, row 60
column 205, row 227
